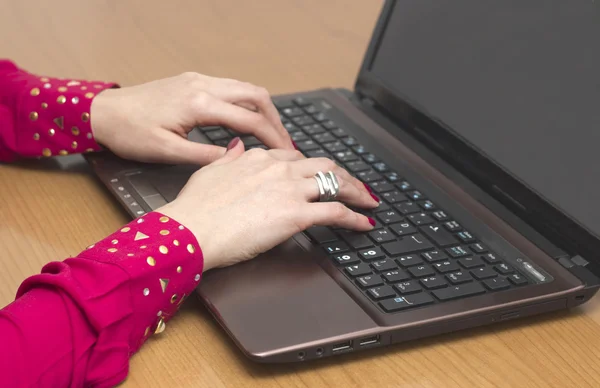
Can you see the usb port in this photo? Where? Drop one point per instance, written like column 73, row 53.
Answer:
column 369, row 340
column 342, row 346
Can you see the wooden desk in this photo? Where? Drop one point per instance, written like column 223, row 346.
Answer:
column 51, row 209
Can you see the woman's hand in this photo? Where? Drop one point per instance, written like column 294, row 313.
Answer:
column 248, row 202
column 150, row 122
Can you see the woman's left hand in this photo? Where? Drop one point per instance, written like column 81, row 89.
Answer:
column 150, row 122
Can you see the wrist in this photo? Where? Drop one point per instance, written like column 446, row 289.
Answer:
column 101, row 112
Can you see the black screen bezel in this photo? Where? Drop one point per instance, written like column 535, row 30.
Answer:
column 547, row 218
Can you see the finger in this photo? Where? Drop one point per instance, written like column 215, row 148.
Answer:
column 251, row 95
column 309, row 167
column 286, row 155
column 348, row 193
column 175, row 149
column 235, row 149
column 335, row 214
column 212, row 111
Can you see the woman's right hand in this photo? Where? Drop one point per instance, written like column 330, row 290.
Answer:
column 248, row 202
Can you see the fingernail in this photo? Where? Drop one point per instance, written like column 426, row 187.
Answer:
column 375, row 197
column 371, row 221
column 233, row 143
column 294, row 144
column 369, row 189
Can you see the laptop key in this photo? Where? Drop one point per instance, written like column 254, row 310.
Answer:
column 371, row 254
column 222, row 142
column 346, row 258
column 393, row 196
column 311, row 109
column 504, row 269
column 218, row 134
column 359, row 149
column 415, row 195
column 439, row 235
column 250, row 141
column 368, row 176
column 382, row 236
column 407, row 207
column 434, row 256
column 459, row 277
column 403, row 229
column 407, row 244
column 497, row 284
column 292, row 112
column 324, row 137
column 301, row 101
column 338, row 132
column 320, row 116
column 404, row 302
column 384, row 265
column 427, row 205
column 307, row 145
column 461, row 291
column 446, row 266
column 478, row 248
column 452, row 226
column 336, row 247
column 381, row 186
column 491, row 258
column 404, row 186
column 420, row 219
column 319, row 153
column 357, row 240
column 420, row 271
column 471, row 262
column 335, row 146
column 313, row 129
column 382, row 292
column 303, row 120
column 395, row 276
column 409, row 287
column 440, row 215
column 291, row 127
column 392, row 177
column 370, row 158
column 389, row 217
column 381, row 167
column 298, row 136
column 465, row 237
column 357, row 166
column 345, row 156
column 350, row 141
column 369, row 281
column 358, row 270
column 433, row 282
column 329, row 124
column 458, row 251
column 321, row 234
column 517, row 279
column 484, row 273
column 409, row 260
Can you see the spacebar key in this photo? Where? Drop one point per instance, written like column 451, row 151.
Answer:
column 459, row 291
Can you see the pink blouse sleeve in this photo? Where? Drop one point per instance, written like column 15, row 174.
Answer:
column 42, row 116
column 78, row 322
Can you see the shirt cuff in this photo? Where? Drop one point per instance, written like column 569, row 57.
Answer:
column 53, row 116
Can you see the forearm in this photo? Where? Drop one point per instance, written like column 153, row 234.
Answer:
column 81, row 319
column 42, row 116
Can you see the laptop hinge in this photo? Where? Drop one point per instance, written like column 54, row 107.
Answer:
column 570, row 262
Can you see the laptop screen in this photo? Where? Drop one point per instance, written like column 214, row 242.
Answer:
column 519, row 80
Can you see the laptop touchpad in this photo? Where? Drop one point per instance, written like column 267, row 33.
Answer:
column 167, row 181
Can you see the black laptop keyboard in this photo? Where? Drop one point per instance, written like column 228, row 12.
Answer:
column 417, row 254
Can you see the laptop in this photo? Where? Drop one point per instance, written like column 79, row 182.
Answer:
column 478, row 125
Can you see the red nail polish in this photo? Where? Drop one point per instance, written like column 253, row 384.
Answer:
column 371, row 221
column 375, row 197
column 369, row 189
column 233, row 143
column 294, row 144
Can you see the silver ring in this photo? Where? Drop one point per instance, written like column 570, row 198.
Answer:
column 329, row 186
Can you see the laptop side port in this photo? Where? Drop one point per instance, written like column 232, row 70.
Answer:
column 373, row 340
column 342, row 346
